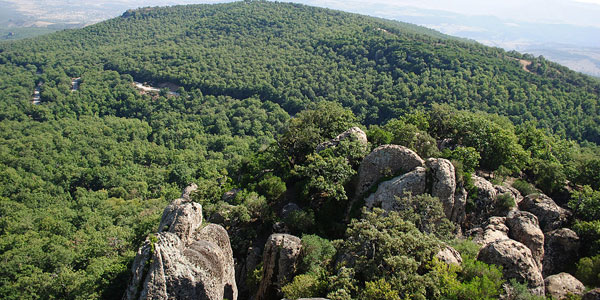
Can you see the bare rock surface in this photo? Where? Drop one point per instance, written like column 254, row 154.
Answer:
column 485, row 201
column 459, row 208
column 184, row 260
column 280, row 259
column 495, row 229
column 354, row 133
column 524, row 227
column 550, row 215
column 560, row 285
column 517, row 262
column 449, row 256
column 443, row 185
column 561, row 248
column 385, row 196
column 386, row 160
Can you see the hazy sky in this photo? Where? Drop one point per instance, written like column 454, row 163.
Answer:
column 575, row 12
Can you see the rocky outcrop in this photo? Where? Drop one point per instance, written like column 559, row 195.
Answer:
column 288, row 209
column 514, row 193
column 485, row 201
column 517, row 262
column 560, row 285
column 385, row 196
column 550, row 215
column 523, row 227
column 354, row 133
column 386, row 160
column 443, row 182
column 592, row 295
column 280, row 258
column 459, row 208
column 494, row 230
column 184, row 260
column 449, row 256
column 561, row 250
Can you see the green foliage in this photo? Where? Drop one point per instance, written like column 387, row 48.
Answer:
column 467, row 156
column 300, row 221
column 272, row 187
column 588, row 270
column 317, row 253
column 427, row 213
column 589, row 173
column 524, row 187
column 589, row 233
column 520, row 291
column 549, row 176
column 325, row 177
column 411, row 136
column 585, row 203
column 304, row 286
column 379, row 290
column 505, row 202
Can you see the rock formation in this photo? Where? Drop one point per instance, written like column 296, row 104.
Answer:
column 385, row 196
column 561, row 249
column 485, row 201
column 280, row 259
column 560, row 285
column 443, row 182
column 523, row 227
column 550, row 215
column 517, row 262
column 386, row 160
column 449, row 256
column 592, row 295
column 354, row 132
column 494, row 230
column 184, row 260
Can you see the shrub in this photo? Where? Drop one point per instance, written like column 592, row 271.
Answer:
column 588, row 270
column 505, row 202
column 524, row 187
column 300, row 221
column 272, row 187
column 305, row 286
column 379, row 290
column 317, row 252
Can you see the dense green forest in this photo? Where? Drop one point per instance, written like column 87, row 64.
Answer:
column 85, row 175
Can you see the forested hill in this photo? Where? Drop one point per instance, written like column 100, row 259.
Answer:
column 294, row 54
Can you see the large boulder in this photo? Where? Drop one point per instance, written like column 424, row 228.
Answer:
column 449, row 256
column 550, row 215
column 280, row 259
column 560, row 285
column 354, row 133
column 495, row 229
column 561, row 249
column 517, row 263
column 386, row 160
column 385, row 196
column 524, row 227
column 184, row 260
column 443, row 182
column 459, row 208
column 484, row 203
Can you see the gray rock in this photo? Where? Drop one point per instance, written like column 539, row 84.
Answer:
column 514, row 193
column 184, row 261
column 561, row 251
column 449, row 256
column 560, row 285
column 592, row 295
column 550, row 215
column 187, row 192
column 441, row 172
column 459, row 208
column 288, row 209
column 494, row 230
column 517, row 262
column 485, row 201
column 182, row 218
column 524, row 227
column 386, row 160
column 354, row 132
column 385, row 196
column 280, row 259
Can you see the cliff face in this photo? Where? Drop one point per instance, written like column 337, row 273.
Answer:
column 184, row 260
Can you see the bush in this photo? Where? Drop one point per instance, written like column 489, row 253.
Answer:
column 272, row 187
column 379, row 290
column 427, row 213
column 586, row 203
column 317, row 253
column 520, row 291
column 589, row 234
column 300, row 221
column 524, row 187
column 467, row 156
column 305, row 286
column 588, row 271
column 505, row 202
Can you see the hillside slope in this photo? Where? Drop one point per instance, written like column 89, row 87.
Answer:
column 294, row 54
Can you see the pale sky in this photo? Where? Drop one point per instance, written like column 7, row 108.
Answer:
column 574, row 12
